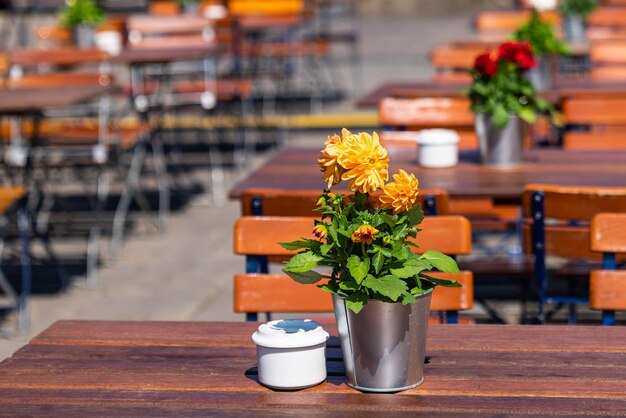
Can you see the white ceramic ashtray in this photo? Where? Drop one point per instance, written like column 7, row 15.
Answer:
column 438, row 148
column 291, row 353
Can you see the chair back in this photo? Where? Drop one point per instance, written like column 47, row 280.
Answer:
column 507, row 21
column 608, row 16
column 604, row 119
column 9, row 195
column 277, row 202
column 556, row 222
column 607, row 287
column 451, row 62
column 169, row 31
column 266, row 7
column 161, row 87
column 428, row 112
column 258, row 291
column 31, row 68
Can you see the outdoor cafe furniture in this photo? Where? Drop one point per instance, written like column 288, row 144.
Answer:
column 290, row 168
column 104, row 368
column 607, row 286
column 257, row 238
column 12, row 200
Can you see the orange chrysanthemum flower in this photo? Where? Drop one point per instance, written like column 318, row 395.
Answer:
column 400, row 195
column 364, row 233
column 365, row 162
column 327, row 161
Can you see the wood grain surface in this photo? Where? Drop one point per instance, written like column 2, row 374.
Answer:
column 292, row 169
column 103, row 368
column 34, row 100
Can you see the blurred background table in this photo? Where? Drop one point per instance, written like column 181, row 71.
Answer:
column 295, row 169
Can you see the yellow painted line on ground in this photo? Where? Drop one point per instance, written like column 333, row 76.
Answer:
column 302, row 121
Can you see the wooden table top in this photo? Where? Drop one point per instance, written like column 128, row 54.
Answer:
column 20, row 101
column 296, row 168
column 150, row 55
column 562, row 88
column 105, row 368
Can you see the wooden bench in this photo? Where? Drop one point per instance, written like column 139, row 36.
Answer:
column 258, row 291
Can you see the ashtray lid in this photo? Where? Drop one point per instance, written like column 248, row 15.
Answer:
column 290, row 333
column 437, row 137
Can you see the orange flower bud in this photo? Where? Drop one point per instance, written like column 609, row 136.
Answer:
column 320, row 231
column 364, row 233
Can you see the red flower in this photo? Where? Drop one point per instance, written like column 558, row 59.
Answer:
column 518, row 53
column 485, row 65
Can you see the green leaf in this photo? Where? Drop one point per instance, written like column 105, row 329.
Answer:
column 411, row 268
column 415, row 215
column 388, row 286
column 500, row 117
column 527, row 114
column 441, row 261
column 441, row 282
column 329, row 287
column 407, row 298
column 349, row 285
column 302, row 262
column 401, row 252
column 389, row 219
column 296, row 245
column 306, row 277
column 378, row 261
column 356, row 301
column 358, row 267
column 325, row 248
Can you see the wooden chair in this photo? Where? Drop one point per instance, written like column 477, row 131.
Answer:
column 10, row 198
column 424, row 113
column 595, row 122
column 607, row 288
column 83, row 145
column 506, row 21
column 451, row 62
column 399, row 115
column 192, row 86
column 258, row 291
column 608, row 17
column 275, row 202
column 556, row 223
column 608, row 60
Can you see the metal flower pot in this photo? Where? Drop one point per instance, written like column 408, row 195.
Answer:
column 500, row 147
column 84, row 36
column 574, row 29
column 190, row 8
column 541, row 76
column 384, row 345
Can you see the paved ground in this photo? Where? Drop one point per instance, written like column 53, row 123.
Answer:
column 186, row 272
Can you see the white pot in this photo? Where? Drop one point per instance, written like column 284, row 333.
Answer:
column 109, row 41
column 291, row 353
column 438, row 148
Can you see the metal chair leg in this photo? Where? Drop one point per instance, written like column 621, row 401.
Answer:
column 160, row 169
column 218, row 188
column 23, row 222
column 93, row 242
column 132, row 183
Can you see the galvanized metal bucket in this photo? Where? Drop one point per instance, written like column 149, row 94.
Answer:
column 84, row 36
column 384, row 345
column 500, row 147
column 574, row 29
column 541, row 76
